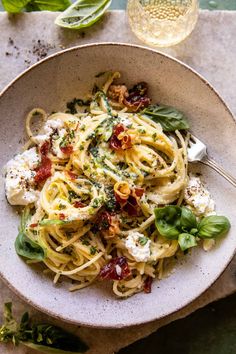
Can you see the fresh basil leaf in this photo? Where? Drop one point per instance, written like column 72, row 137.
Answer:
column 193, row 231
column 169, row 117
column 14, row 6
column 188, row 220
column 186, row 241
column 27, row 248
column 168, row 221
column 83, row 13
column 51, row 5
column 213, row 226
column 47, row 222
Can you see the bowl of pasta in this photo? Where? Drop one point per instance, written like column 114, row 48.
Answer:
column 104, row 222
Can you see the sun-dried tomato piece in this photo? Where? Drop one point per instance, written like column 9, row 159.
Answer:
column 67, row 150
column 33, row 225
column 45, row 148
column 138, row 96
column 115, row 143
column 119, row 128
column 116, row 269
column 78, row 204
column 139, row 192
column 126, row 142
column 131, row 207
column 119, row 199
column 147, row 287
column 72, row 175
column 44, row 170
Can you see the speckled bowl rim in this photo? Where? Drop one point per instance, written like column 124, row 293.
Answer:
column 201, row 292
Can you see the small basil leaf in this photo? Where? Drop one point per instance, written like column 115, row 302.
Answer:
column 188, row 220
column 213, row 226
column 186, row 241
column 14, row 6
column 47, row 222
column 27, row 248
column 50, row 5
column 82, row 13
column 193, row 231
column 169, row 117
column 168, row 221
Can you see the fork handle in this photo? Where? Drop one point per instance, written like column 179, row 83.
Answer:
column 211, row 163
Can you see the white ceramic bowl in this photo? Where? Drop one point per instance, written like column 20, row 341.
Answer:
column 68, row 74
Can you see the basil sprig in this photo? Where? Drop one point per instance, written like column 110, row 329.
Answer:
column 82, row 13
column 24, row 246
column 179, row 223
column 15, row 6
column 213, row 225
column 169, row 117
column 45, row 338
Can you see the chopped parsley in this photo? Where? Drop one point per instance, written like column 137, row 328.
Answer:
column 93, row 250
column 72, row 195
column 96, row 203
column 71, row 106
column 85, row 242
column 143, row 240
column 110, row 202
column 154, row 135
column 64, row 141
column 72, row 134
column 61, row 206
column 94, row 151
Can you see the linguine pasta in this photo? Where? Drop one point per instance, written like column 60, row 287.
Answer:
column 102, row 172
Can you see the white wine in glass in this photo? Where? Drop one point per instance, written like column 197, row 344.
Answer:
column 162, row 23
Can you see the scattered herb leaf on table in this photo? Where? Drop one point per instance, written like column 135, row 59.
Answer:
column 15, row 6
column 46, row 338
column 82, row 14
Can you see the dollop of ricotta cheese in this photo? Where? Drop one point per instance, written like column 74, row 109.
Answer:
column 54, row 129
column 198, row 197
column 135, row 246
column 19, row 181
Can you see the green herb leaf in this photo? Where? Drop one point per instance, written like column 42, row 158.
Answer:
column 143, row 240
column 168, row 221
column 27, row 248
column 14, row 6
column 188, row 220
column 213, row 226
column 47, row 222
column 24, row 246
column 46, row 338
column 186, row 241
column 170, row 118
column 50, row 5
column 93, row 250
column 83, row 13
column 71, row 105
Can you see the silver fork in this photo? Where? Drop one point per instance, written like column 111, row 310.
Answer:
column 197, row 152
